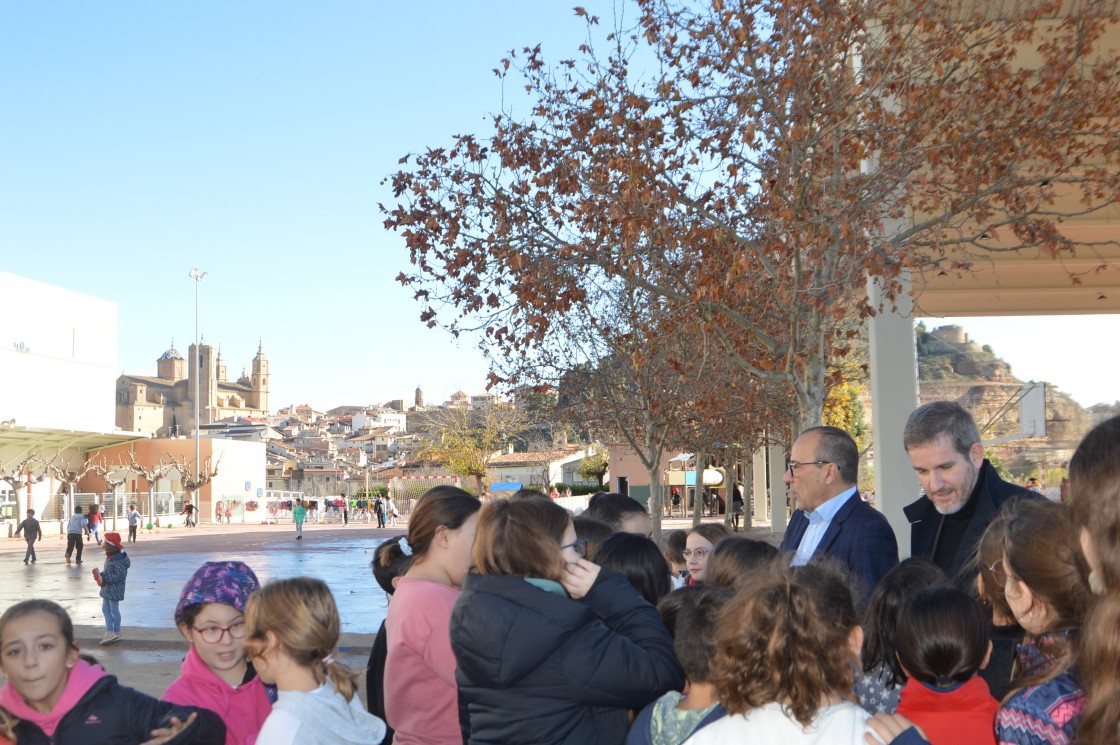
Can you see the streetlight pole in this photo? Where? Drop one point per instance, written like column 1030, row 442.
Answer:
column 197, row 276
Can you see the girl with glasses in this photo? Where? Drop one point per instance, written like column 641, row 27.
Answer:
column 698, row 546
column 550, row 649
column 216, row 674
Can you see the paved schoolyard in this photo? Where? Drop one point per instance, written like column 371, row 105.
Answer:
column 149, row 655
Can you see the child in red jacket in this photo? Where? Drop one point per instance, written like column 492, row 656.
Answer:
column 943, row 642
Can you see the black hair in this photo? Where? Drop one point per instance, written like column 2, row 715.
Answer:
column 942, row 636
column 880, row 622
column 613, row 508
column 670, row 605
column 388, row 565
column 697, row 618
column 640, row 561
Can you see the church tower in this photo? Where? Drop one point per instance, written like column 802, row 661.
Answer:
column 223, row 372
column 171, row 365
column 258, row 396
column 203, row 365
column 419, row 398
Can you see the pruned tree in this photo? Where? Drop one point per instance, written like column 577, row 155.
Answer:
column 186, row 470
column 114, row 477
column 772, row 156
column 69, row 478
column 468, row 440
column 23, row 470
column 151, row 476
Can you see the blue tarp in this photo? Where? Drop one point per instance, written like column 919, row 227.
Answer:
column 506, row 486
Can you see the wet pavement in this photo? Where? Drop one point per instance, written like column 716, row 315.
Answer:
column 164, row 559
column 148, row 657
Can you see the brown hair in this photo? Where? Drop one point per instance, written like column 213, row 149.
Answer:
column 989, row 550
column 698, row 615
column 929, row 422
column 1094, row 481
column 785, row 638
column 713, row 533
column 1043, row 551
column 591, row 530
column 441, row 506
column 302, row 614
column 39, row 605
column 735, row 559
column 520, row 538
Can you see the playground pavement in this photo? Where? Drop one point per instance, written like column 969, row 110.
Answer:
column 151, row 650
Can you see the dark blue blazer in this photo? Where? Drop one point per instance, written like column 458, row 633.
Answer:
column 859, row 538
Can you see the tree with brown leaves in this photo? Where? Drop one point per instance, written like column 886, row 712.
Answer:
column 752, row 162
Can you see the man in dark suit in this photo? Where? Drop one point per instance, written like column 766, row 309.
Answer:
column 963, row 492
column 831, row 521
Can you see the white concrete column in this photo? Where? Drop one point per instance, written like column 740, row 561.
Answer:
column 894, row 394
column 758, row 488
column 777, row 490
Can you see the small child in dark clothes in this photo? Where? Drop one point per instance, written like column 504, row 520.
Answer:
column 387, row 569
column 31, row 532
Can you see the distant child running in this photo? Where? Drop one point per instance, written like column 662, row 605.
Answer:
column 216, row 674
column 31, row 533
column 111, row 581
column 59, row 698
column 293, row 637
column 93, row 526
column 299, row 514
column 74, row 530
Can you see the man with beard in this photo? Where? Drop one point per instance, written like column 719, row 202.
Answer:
column 963, row 493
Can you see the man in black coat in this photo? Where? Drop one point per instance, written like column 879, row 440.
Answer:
column 963, row 492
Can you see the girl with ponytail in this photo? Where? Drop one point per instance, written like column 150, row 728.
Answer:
column 293, row 629
column 1094, row 476
column 422, row 700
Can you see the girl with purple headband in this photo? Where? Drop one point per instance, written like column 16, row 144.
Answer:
column 216, row 673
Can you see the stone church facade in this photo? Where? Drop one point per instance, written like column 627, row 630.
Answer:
column 163, row 405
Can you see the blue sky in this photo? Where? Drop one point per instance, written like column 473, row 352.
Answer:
column 249, row 139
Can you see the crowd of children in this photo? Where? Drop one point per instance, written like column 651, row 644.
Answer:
column 512, row 622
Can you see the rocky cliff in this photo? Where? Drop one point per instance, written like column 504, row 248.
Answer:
column 955, row 368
